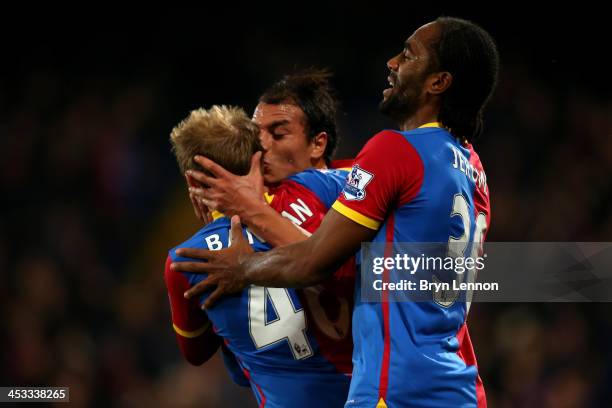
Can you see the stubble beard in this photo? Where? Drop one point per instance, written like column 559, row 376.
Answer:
column 403, row 102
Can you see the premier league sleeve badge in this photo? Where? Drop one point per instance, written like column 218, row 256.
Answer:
column 355, row 185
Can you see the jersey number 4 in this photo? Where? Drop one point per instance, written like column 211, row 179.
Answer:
column 289, row 324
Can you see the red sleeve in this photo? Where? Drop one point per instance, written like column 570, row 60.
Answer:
column 388, row 172
column 196, row 339
column 298, row 204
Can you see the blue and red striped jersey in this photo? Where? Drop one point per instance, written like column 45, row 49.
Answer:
column 294, row 346
column 417, row 186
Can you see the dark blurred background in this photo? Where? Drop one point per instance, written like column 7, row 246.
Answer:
column 92, row 198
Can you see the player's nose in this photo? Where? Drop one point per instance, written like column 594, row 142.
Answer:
column 265, row 139
column 393, row 63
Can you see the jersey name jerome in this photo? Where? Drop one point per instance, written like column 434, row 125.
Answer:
column 355, row 185
column 478, row 177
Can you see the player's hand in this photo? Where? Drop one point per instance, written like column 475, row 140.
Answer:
column 224, row 267
column 200, row 210
column 227, row 192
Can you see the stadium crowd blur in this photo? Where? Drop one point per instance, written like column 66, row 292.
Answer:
column 92, row 200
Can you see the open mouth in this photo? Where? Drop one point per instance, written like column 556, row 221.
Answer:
column 387, row 91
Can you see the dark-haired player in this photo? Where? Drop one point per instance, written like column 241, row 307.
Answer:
column 297, row 120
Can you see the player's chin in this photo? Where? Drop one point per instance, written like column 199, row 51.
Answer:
column 387, row 97
column 383, row 106
column 271, row 178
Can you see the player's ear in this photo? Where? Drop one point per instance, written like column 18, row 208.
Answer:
column 318, row 143
column 439, row 82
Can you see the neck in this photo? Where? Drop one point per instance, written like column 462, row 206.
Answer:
column 426, row 114
column 319, row 164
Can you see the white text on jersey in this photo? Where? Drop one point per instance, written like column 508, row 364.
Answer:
column 213, row 242
column 300, row 209
column 463, row 165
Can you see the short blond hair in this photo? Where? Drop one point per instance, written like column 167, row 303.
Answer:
column 224, row 134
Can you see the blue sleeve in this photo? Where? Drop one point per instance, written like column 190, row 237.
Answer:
column 326, row 184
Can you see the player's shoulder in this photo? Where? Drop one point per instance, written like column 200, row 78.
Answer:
column 388, row 146
column 392, row 135
column 219, row 227
column 310, row 177
column 429, row 136
column 416, row 143
column 387, row 140
column 386, row 135
column 326, row 184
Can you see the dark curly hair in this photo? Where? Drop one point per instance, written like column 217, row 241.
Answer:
column 469, row 53
column 312, row 92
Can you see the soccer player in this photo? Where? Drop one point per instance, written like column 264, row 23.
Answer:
column 297, row 121
column 287, row 362
column 424, row 183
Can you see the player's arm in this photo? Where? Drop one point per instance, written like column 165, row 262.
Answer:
column 243, row 196
column 268, row 224
column 311, row 261
column 196, row 339
column 299, row 265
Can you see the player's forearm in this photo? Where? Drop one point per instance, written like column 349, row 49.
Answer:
column 271, row 226
column 200, row 349
column 312, row 261
column 285, row 267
